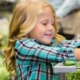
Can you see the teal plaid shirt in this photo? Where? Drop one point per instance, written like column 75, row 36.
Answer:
column 35, row 61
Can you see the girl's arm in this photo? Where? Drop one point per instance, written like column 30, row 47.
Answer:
column 74, row 44
column 28, row 49
column 70, row 43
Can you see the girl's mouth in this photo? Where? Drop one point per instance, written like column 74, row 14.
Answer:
column 48, row 35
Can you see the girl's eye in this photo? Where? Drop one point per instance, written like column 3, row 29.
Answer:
column 44, row 23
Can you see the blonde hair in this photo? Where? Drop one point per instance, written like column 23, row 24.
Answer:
column 23, row 21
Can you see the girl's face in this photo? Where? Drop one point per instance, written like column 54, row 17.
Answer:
column 44, row 29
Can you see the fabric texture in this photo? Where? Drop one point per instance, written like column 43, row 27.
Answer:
column 35, row 61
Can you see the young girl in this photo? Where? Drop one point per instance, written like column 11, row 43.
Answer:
column 34, row 47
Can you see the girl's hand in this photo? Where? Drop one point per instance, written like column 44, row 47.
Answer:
column 77, row 53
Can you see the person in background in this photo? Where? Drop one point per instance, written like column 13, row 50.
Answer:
column 34, row 45
column 68, row 13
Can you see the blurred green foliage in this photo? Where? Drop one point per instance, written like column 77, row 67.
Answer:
column 4, row 74
column 3, row 41
column 71, row 76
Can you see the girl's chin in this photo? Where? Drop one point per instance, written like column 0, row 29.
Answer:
column 47, row 42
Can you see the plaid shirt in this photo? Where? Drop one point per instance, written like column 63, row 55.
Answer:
column 35, row 61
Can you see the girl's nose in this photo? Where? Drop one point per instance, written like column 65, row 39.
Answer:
column 51, row 26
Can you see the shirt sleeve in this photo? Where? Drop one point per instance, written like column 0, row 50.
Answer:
column 66, row 7
column 29, row 50
column 70, row 43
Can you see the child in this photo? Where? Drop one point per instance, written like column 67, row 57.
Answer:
column 34, row 47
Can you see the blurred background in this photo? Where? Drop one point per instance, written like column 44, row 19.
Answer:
column 68, row 17
column 6, row 8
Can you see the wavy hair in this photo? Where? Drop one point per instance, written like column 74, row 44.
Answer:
column 23, row 21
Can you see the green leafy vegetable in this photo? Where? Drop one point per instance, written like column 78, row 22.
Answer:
column 69, row 63
column 71, row 76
